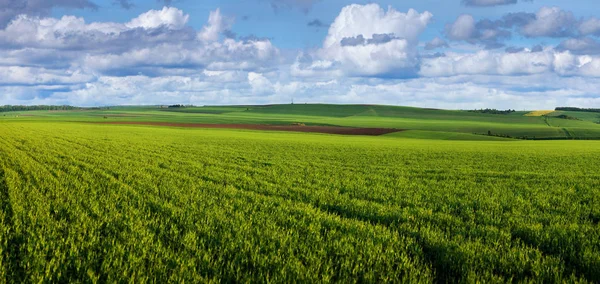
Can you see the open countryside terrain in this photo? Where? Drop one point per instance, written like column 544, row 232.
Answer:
column 248, row 194
column 414, row 122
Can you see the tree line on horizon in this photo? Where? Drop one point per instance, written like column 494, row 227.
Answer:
column 577, row 109
column 7, row 108
column 493, row 111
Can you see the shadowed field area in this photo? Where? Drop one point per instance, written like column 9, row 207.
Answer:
column 294, row 128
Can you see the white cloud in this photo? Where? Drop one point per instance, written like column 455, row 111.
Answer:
column 73, row 33
column 525, row 62
column 550, row 22
column 581, row 46
column 391, row 38
column 462, row 29
column 259, row 83
column 40, row 76
column 371, row 19
column 12, row 8
column 216, row 25
column 169, row 17
column 369, row 55
column 436, row 43
column 590, row 26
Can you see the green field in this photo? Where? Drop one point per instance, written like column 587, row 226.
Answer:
column 440, row 202
column 514, row 125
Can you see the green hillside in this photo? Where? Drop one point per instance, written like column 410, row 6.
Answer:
column 572, row 125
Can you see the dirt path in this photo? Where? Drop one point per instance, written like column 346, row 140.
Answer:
column 296, row 128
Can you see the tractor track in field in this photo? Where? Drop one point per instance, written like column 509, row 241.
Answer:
column 567, row 133
column 340, row 130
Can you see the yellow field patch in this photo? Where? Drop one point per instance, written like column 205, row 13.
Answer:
column 539, row 113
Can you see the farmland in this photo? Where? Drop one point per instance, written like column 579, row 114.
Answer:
column 86, row 196
column 466, row 124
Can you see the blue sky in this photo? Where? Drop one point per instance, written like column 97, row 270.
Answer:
column 455, row 54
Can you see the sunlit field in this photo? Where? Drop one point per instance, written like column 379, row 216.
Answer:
column 88, row 202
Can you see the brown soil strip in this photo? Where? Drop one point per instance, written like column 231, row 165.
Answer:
column 296, row 128
column 118, row 115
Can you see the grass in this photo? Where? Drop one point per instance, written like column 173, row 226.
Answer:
column 437, row 135
column 442, row 201
column 515, row 125
column 585, row 116
column 85, row 203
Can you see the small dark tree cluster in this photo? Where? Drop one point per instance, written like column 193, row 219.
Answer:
column 578, row 109
column 493, row 111
column 176, row 106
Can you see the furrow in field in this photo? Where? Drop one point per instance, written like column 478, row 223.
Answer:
column 567, row 133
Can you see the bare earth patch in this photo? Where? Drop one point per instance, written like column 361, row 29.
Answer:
column 296, row 128
column 118, row 115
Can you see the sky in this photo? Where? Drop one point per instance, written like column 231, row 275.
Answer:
column 453, row 54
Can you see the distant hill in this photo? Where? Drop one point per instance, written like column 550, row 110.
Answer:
column 423, row 123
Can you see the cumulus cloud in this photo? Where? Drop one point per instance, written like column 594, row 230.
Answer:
column 517, row 63
column 546, row 22
column 306, row 66
column 153, row 60
column 590, row 26
column 172, row 18
column 217, row 24
column 456, row 92
column 462, row 29
column 371, row 19
column 484, row 32
column 366, row 40
column 580, row 46
column 436, row 43
column 551, row 22
column 64, row 58
column 259, row 83
column 12, row 8
column 74, row 34
column 156, row 38
column 514, row 49
column 370, row 55
column 40, row 76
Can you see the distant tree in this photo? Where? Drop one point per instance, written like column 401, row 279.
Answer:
column 577, row 109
